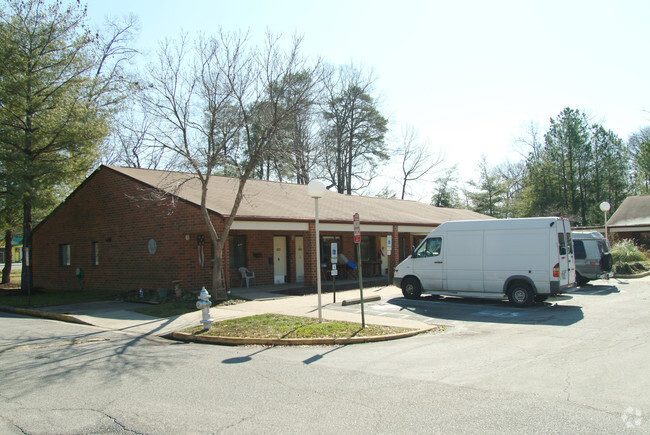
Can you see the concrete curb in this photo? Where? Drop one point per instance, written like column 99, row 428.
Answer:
column 43, row 314
column 358, row 300
column 239, row 341
column 234, row 341
column 634, row 275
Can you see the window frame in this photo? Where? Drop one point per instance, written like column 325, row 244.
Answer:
column 428, row 247
column 65, row 255
column 94, row 254
column 368, row 248
column 237, row 251
column 562, row 243
column 326, row 246
column 579, row 250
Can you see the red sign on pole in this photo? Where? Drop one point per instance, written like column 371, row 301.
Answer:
column 357, row 228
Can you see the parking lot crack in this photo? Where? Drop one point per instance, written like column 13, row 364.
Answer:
column 114, row 420
column 567, row 381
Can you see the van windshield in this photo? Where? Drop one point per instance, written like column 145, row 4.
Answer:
column 430, row 248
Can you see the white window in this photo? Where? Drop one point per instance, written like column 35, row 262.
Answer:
column 64, row 255
column 95, row 254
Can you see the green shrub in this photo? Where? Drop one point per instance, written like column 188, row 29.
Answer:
column 625, row 251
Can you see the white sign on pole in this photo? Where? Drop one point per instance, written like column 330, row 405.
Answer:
column 357, row 228
column 334, row 257
column 389, row 243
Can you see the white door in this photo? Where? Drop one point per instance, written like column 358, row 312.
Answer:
column 567, row 262
column 428, row 263
column 300, row 260
column 279, row 259
column 384, row 256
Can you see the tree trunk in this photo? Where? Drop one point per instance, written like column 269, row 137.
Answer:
column 26, row 275
column 218, row 288
column 6, row 272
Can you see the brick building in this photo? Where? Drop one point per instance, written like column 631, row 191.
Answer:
column 126, row 228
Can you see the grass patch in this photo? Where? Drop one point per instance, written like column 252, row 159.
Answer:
column 41, row 298
column 14, row 280
column 281, row 326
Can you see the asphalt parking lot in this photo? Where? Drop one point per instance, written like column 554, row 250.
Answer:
column 590, row 346
column 562, row 310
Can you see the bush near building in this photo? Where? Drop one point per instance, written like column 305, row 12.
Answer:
column 629, row 258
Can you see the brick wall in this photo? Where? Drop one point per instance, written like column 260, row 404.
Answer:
column 111, row 210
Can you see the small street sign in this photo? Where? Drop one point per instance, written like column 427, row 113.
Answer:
column 357, row 228
column 389, row 243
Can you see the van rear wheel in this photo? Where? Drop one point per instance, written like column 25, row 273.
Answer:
column 521, row 295
column 411, row 288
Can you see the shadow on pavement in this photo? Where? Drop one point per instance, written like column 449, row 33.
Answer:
column 597, row 290
column 491, row 311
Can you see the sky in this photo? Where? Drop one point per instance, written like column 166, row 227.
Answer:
column 468, row 76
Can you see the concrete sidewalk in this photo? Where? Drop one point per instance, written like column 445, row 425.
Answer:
column 119, row 316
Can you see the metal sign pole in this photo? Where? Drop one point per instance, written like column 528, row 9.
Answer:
column 389, row 247
column 334, row 258
column 363, row 316
column 357, row 240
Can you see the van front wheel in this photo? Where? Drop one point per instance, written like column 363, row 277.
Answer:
column 411, row 288
column 521, row 295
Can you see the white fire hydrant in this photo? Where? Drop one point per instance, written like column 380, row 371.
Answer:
column 203, row 304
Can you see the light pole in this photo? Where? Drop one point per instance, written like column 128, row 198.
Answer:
column 604, row 206
column 316, row 189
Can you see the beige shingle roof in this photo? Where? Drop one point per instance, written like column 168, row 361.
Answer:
column 270, row 200
column 634, row 211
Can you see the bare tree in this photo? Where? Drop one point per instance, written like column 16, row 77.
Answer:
column 296, row 152
column 445, row 191
column 417, row 162
column 512, row 175
column 129, row 143
column 531, row 142
column 354, row 130
column 219, row 107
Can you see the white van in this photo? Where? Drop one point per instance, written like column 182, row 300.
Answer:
column 593, row 256
column 526, row 260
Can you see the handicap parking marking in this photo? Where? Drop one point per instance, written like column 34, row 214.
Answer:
column 500, row 314
column 386, row 307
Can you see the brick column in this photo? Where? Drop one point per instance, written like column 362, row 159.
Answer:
column 394, row 253
column 310, row 255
